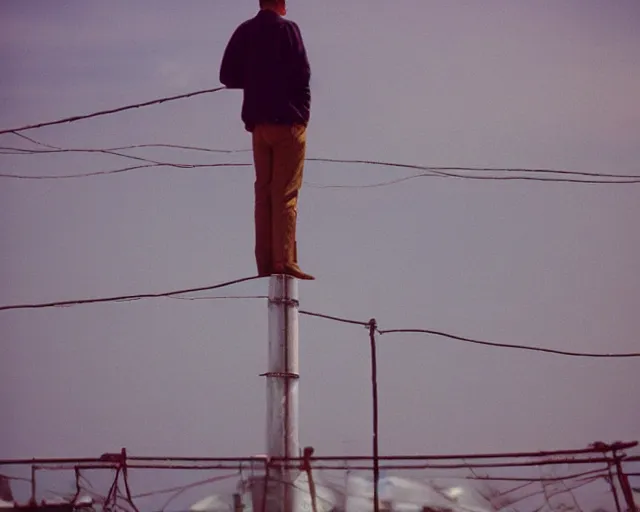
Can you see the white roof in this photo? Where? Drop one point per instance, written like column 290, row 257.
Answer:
column 214, row 503
column 413, row 495
column 406, row 495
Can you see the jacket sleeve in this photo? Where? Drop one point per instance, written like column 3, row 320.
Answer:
column 300, row 68
column 233, row 62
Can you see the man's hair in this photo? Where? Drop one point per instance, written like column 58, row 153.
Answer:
column 265, row 3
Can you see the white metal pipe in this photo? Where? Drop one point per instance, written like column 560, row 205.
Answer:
column 282, row 379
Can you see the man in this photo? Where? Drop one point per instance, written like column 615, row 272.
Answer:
column 266, row 58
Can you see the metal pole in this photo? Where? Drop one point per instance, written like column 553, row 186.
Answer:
column 282, row 383
column 612, row 483
column 373, row 326
column 237, row 503
column 33, row 486
column 624, row 483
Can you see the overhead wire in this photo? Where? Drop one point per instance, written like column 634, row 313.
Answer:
column 113, row 152
column 508, row 345
column 34, row 141
column 120, row 170
column 102, row 113
column 174, row 293
column 182, row 487
column 432, row 168
column 443, row 169
column 476, row 341
column 573, row 476
column 58, row 149
column 78, row 302
column 334, row 318
column 109, row 151
column 586, row 481
column 433, row 172
column 531, row 174
column 437, row 174
column 448, row 172
column 226, row 297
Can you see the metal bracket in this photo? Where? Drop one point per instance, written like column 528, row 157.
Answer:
column 282, row 375
column 286, row 302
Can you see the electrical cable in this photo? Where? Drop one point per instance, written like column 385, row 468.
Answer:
column 474, row 341
column 509, row 345
column 435, row 170
column 486, row 178
column 381, row 332
column 334, row 318
column 537, row 493
column 180, row 487
column 432, row 171
column 73, row 119
column 604, row 179
column 226, row 297
column 34, row 141
column 443, row 169
column 125, row 297
column 121, row 170
column 58, row 149
column 574, row 476
column 110, row 151
column 100, row 151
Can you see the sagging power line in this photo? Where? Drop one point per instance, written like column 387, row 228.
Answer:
column 382, row 332
column 123, row 170
column 459, row 172
column 443, row 334
column 125, row 298
column 116, row 110
column 433, row 172
column 58, row 149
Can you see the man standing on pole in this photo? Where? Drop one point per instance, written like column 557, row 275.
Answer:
column 266, row 58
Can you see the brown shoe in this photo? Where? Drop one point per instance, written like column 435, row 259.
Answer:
column 264, row 270
column 293, row 270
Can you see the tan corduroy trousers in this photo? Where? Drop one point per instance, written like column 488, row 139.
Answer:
column 278, row 154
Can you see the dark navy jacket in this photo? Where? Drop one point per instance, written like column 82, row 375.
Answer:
column 266, row 58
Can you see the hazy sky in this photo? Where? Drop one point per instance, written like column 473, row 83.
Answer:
column 493, row 83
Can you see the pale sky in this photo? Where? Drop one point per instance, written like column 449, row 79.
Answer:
column 493, row 83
